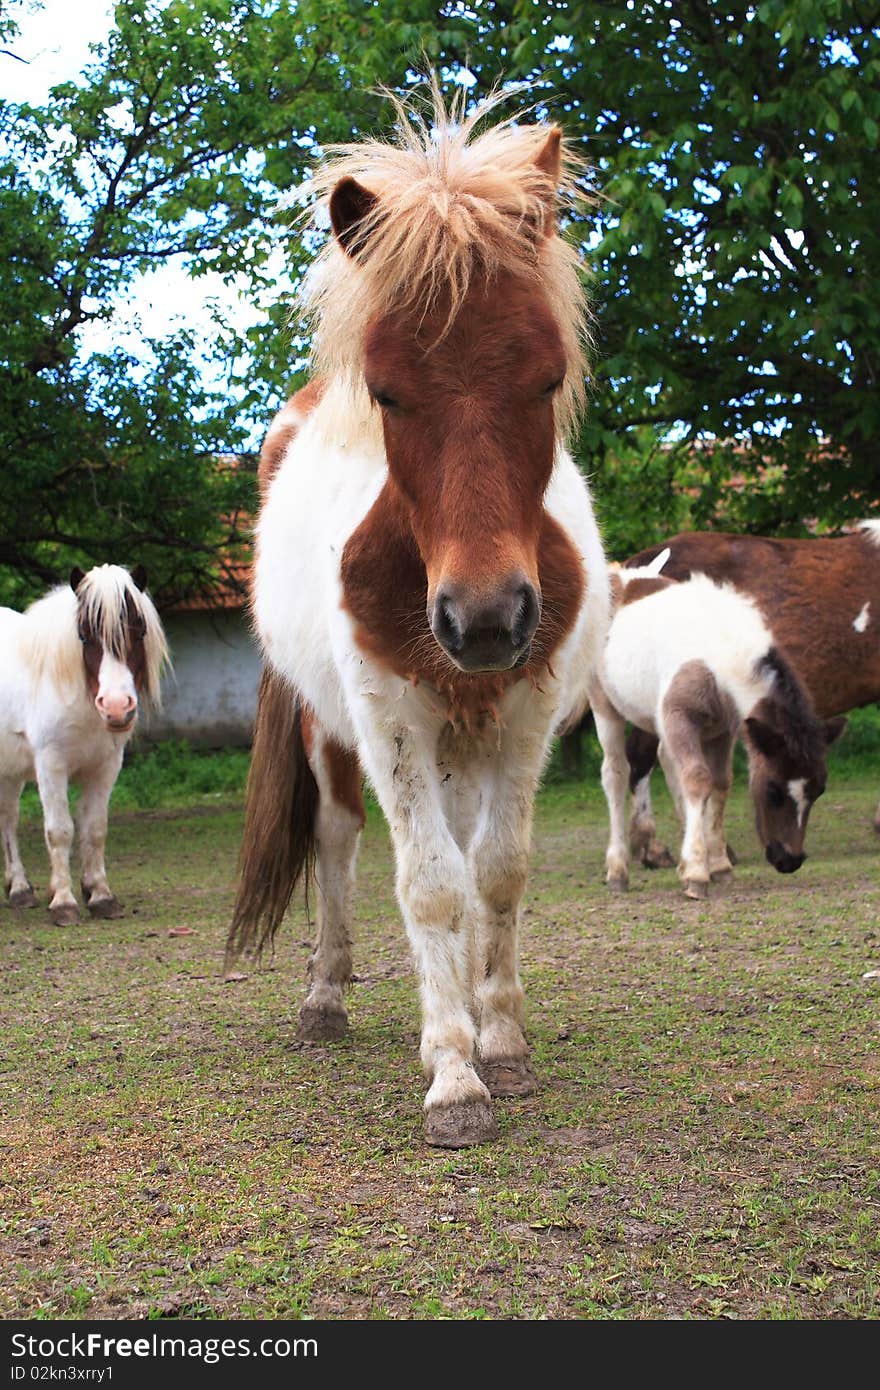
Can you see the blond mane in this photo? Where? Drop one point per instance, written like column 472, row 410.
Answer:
column 50, row 642
column 451, row 203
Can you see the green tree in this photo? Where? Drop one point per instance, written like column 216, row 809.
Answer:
column 189, row 122
column 734, row 245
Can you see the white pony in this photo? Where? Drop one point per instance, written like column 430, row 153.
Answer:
column 73, row 667
column 694, row 663
column 430, row 588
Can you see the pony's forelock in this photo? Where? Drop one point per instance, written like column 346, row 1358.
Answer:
column 51, row 632
column 451, row 201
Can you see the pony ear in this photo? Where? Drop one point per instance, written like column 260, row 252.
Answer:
column 549, row 161
column 350, row 206
column 76, row 577
column 834, row 728
column 764, row 739
column 139, row 577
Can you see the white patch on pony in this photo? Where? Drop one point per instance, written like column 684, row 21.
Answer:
column 860, row 622
column 797, row 790
column 658, row 562
column 872, row 530
column 117, row 697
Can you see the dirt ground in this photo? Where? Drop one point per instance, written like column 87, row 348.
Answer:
column 704, row 1142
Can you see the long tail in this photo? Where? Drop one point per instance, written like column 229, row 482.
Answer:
column 281, row 803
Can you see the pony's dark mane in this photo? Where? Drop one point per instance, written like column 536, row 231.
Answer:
column 797, row 722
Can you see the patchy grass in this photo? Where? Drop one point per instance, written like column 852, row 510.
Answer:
column 703, row 1145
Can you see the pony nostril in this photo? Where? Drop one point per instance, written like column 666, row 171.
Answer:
column 526, row 615
column 446, row 624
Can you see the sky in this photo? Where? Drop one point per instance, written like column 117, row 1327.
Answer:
column 54, row 40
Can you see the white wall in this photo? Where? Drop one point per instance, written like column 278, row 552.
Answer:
column 211, row 696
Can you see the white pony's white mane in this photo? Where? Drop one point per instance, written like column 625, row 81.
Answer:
column 871, row 529
column 50, row 644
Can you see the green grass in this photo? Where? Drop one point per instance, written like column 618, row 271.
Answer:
column 703, row 1144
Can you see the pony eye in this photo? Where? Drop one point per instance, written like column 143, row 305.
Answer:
column 553, row 387
column 382, row 398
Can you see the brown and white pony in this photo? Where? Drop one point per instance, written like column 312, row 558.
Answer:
column 694, row 663
column 73, row 670
column 820, row 597
column 429, row 585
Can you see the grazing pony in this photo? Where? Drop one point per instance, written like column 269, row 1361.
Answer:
column 72, row 670
column 695, row 664
column 429, row 585
column 820, row 597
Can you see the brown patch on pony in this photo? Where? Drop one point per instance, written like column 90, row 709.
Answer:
column 385, row 588
column 284, row 427
column 346, row 778
column 642, row 588
column 281, row 802
column 808, row 591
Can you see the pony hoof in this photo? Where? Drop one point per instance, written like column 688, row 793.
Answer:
column 23, row 897
column 67, row 915
column 696, row 888
column 723, row 878
column 317, row 1023
column 512, row 1076
column 460, row 1126
column 732, row 854
column 658, row 857
column 105, row 907
column 617, row 883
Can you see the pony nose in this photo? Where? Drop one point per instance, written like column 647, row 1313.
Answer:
column 782, row 859
column 116, row 709
column 490, row 634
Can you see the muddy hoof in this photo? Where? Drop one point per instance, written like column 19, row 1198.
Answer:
column 67, row 915
column 695, row 888
column 658, row 857
column 319, row 1024
column 460, row 1126
column 617, row 883
column 511, row 1077
column 23, row 897
column 105, row 907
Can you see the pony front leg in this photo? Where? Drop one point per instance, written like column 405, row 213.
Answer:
column 691, row 785
column 91, row 820
column 18, row 886
column 58, row 827
column 433, row 892
column 499, row 860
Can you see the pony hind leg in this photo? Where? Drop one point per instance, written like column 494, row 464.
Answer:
column 611, row 731
column 91, row 819
column 641, row 753
column 339, row 821
column 18, row 887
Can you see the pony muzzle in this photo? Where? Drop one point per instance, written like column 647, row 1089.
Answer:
column 118, row 714
column 782, row 860
column 486, row 633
